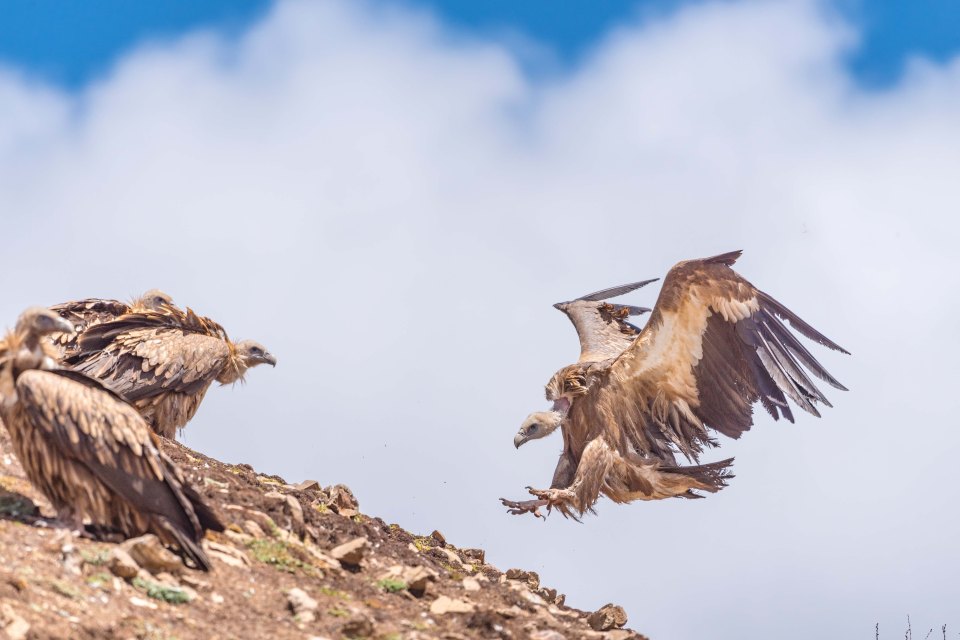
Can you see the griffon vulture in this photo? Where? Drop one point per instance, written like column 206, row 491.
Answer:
column 89, row 451
column 714, row 346
column 163, row 364
column 83, row 314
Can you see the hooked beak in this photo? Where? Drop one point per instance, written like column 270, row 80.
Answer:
column 63, row 325
column 519, row 439
column 270, row 359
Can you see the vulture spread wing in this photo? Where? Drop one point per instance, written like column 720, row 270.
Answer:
column 96, row 452
column 602, row 327
column 713, row 347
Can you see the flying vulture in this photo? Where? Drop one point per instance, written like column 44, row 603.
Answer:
column 83, row 314
column 88, row 451
column 163, row 363
column 713, row 347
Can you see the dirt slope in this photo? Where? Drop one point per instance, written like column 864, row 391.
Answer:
column 296, row 562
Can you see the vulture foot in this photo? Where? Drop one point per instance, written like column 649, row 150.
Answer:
column 560, row 499
column 524, row 506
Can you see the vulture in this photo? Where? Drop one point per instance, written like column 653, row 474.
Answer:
column 714, row 346
column 83, row 314
column 163, row 363
column 88, row 451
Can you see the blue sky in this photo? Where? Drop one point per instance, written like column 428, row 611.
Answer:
column 69, row 43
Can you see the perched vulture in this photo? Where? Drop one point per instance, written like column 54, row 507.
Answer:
column 713, row 347
column 83, row 314
column 164, row 363
column 89, row 451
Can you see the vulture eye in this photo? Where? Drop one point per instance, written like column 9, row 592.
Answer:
column 256, row 351
column 533, row 428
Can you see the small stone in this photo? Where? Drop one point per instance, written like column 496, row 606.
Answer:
column 296, row 510
column 471, row 584
column 358, row 627
column 474, row 555
column 302, row 605
column 351, row 553
column 341, row 498
column 547, row 634
column 265, row 522
column 418, row 579
column 216, row 598
column 122, row 565
column 451, row 556
column 140, row 602
column 607, row 617
column 436, row 535
column 444, row 604
column 149, row 553
column 274, row 496
column 227, row 554
column 511, row 612
column 308, row 485
column 13, row 625
column 530, row 578
column 253, row 529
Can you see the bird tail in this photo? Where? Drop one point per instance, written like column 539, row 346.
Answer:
column 709, row 477
column 186, row 543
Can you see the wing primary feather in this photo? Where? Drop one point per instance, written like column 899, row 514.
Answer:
column 613, row 292
column 782, row 379
column 799, row 351
column 797, row 323
column 790, row 366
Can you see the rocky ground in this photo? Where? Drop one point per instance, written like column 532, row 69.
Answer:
column 297, row 561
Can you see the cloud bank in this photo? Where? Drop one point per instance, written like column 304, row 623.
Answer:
column 392, row 208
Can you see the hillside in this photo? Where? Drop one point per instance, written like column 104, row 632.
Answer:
column 297, row 561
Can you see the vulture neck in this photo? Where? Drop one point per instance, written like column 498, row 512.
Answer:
column 234, row 370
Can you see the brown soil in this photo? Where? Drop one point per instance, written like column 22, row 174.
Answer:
column 60, row 585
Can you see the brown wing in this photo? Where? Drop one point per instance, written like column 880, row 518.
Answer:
column 603, row 327
column 88, row 426
column 714, row 346
column 141, row 359
column 83, row 314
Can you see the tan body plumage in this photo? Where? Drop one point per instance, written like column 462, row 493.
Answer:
column 713, row 347
column 88, row 451
column 165, row 363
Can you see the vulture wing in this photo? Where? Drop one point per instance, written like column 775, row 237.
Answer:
column 144, row 355
column 91, row 429
column 83, row 314
column 602, row 327
column 714, row 346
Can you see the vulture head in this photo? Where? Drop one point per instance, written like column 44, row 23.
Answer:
column 538, row 425
column 153, row 300
column 37, row 322
column 251, row 353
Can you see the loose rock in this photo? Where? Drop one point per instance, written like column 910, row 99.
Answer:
column 296, row 511
column 547, row 634
column 609, row 616
column 351, row 553
column 471, row 584
column 149, row 553
column 122, row 565
column 530, row 578
column 302, row 605
column 359, row 626
column 444, row 604
column 13, row 625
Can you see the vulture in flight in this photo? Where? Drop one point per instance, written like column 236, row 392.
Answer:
column 714, row 346
column 83, row 314
column 163, row 363
column 88, row 451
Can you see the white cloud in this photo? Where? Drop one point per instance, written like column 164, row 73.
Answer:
column 392, row 208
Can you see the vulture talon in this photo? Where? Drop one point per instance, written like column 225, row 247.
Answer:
column 524, row 506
